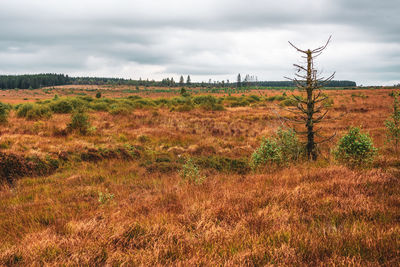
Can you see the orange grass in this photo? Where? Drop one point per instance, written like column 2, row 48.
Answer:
column 303, row 214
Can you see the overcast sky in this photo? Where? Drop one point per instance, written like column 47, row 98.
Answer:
column 204, row 38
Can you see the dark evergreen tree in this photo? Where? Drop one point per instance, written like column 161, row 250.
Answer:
column 239, row 81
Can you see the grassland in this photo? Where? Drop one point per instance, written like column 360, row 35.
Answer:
column 116, row 196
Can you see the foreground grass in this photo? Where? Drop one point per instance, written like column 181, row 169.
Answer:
column 299, row 215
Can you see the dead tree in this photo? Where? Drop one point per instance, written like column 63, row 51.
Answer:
column 311, row 109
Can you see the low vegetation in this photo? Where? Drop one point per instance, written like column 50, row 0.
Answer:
column 196, row 180
column 355, row 149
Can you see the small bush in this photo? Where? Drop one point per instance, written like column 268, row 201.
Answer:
column 33, row 111
column 290, row 145
column 223, row 164
column 393, row 124
column 100, row 106
column 204, row 99
column 61, row 107
column 23, row 109
column 190, row 172
column 79, row 122
column 4, row 109
column 105, row 197
column 119, row 110
column 98, row 95
column 143, row 102
column 269, row 152
column 288, row 102
column 38, row 112
column 184, row 108
column 355, row 149
column 283, row 148
column 276, row 98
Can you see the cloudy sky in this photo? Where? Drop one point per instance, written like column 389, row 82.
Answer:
column 204, row 38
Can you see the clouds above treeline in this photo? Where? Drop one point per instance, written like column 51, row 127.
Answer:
column 206, row 39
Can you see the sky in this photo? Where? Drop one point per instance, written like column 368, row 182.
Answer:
column 207, row 39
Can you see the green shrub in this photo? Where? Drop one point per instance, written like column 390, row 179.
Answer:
column 223, row 164
column 290, row 145
column 212, row 107
column 98, row 95
column 253, row 98
column 79, row 122
column 276, row 98
column 119, row 110
column 282, row 148
column 208, row 102
column 61, row 106
column 239, row 103
column 79, row 102
column 99, row 106
column 190, row 172
column 393, row 124
column 23, row 109
column 4, row 109
column 288, row 102
column 143, row 102
column 269, row 152
column 38, row 112
column 33, row 111
column 355, row 149
column 184, row 108
column 134, row 97
column 204, row 99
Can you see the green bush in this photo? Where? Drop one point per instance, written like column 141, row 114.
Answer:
column 120, row 110
column 282, row 148
column 99, row 106
column 4, row 109
column 393, row 124
column 204, row 99
column 269, row 152
column 38, row 112
column 98, row 95
column 288, row 102
column 184, row 108
column 276, row 97
column 143, row 102
column 33, row 111
column 355, row 149
column 61, row 106
column 239, row 103
column 223, row 164
column 190, row 172
column 208, row 103
column 290, row 145
column 23, row 109
column 79, row 122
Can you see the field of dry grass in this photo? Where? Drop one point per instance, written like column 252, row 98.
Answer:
column 117, row 196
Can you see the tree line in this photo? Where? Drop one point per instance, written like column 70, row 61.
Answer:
column 34, row 81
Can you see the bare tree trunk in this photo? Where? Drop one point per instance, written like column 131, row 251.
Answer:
column 307, row 107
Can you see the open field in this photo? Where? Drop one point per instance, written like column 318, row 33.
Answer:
column 116, row 196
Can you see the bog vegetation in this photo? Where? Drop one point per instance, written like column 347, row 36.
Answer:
column 192, row 178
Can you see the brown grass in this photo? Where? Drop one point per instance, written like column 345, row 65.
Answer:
column 304, row 214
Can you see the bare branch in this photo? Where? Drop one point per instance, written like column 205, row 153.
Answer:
column 320, row 49
column 298, row 49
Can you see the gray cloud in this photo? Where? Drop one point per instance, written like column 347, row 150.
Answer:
column 207, row 39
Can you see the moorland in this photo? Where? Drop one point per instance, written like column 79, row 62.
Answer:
column 95, row 175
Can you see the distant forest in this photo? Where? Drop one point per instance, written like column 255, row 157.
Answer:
column 34, row 81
